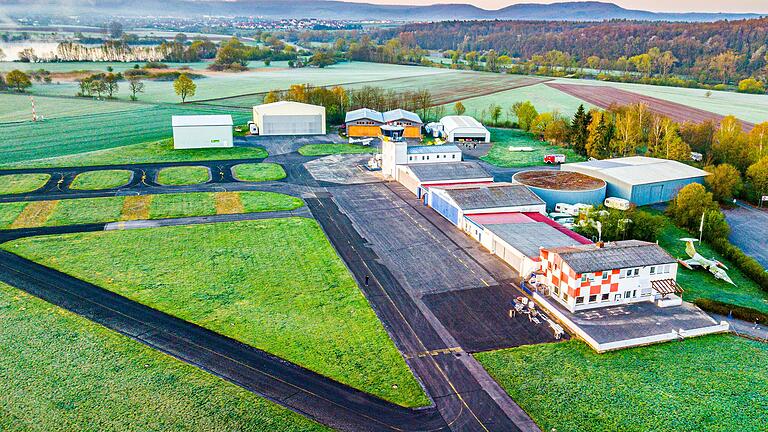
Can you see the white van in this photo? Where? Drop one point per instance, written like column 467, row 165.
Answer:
column 617, row 203
column 565, row 208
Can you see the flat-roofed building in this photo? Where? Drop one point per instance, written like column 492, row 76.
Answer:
column 419, row 178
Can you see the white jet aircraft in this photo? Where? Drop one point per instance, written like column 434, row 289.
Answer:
column 713, row 266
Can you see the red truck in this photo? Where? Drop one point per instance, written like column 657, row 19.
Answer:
column 554, row 158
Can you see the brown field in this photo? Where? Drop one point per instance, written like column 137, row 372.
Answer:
column 605, row 97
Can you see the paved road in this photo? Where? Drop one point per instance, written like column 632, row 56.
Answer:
column 749, row 230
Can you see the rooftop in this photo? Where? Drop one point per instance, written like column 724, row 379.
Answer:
column 454, row 122
column 401, row 114
column 616, row 255
column 636, row 170
column 494, row 195
column 364, row 113
column 201, row 120
column 433, row 149
column 527, row 237
column 558, row 180
column 289, row 107
column 449, row 171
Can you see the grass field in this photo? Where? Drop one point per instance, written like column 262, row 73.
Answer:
column 148, row 152
column 502, row 139
column 712, row 383
column 99, row 180
column 22, row 183
column 258, row 172
column 113, row 209
column 181, row 176
column 275, row 284
column 62, row 372
column 332, row 149
column 18, row 108
column 78, row 134
column 701, row 283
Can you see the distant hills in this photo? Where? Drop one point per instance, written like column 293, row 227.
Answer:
column 332, row 9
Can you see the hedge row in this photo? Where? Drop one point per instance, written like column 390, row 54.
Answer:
column 748, row 265
column 738, row 312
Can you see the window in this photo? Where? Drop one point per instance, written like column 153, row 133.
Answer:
column 583, row 278
column 453, row 156
column 565, row 296
column 629, row 273
column 606, row 275
column 604, row 297
column 637, row 271
column 580, row 300
column 592, row 298
column 410, row 158
column 634, row 293
column 556, row 290
column 626, row 294
column 653, row 270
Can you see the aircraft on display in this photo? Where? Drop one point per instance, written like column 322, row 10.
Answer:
column 715, row 267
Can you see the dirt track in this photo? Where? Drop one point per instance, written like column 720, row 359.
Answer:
column 605, row 97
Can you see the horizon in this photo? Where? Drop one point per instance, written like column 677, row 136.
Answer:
column 679, row 6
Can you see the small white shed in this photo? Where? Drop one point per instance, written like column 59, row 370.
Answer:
column 289, row 118
column 202, row 131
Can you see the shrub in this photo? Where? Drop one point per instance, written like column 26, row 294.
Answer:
column 748, row 265
column 155, row 65
column 738, row 312
column 751, row 85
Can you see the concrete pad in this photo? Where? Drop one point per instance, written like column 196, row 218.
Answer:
column 342, row 169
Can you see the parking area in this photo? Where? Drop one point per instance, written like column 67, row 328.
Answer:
column 749, row 229
column 342, row 169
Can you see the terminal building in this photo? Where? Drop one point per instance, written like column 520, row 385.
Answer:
column 639, row 179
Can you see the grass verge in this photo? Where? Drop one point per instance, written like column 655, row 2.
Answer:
column 112, row 209
column 22, row 183
column 500, row 155
column 712, row 383
column 332, row 149
column 258, row 172
column 99, row 180
column 148, row 152
column 275, row 284
column 62, row 372
column 181, row 176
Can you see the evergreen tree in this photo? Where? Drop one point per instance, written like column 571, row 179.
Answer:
column 580, row 130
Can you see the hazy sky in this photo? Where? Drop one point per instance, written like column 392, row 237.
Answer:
column 759, row 6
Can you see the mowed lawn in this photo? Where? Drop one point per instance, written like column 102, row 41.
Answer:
column 146, row 152
column 275, row 284
column 62, row 372
column 258, row 172
column 163, row 206
column 502, row 139
column 99, row 180
column 333, row 149
column 22, row 183
column 710, row 383
column 181, row 176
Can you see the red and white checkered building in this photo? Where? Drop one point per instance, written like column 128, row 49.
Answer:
column 591, row 276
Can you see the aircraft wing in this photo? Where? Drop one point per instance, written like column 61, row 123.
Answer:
column 689, row 263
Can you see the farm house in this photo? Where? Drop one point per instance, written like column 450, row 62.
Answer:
column 464, row 128
column 289, row 118
column 201, row 131
column 639, row 179
column 517, row 237
column 455, row 202
column 363, row 122
column 409, row 121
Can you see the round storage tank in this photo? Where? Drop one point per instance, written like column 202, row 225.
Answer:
column 563, row 187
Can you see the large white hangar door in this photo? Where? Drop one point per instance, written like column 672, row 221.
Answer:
column 293, row 125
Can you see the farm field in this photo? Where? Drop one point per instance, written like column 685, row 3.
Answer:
column 18, row 108
column 332, row 149
column 258, row 172
column 748, row 107
column 112, row 209
column 148, row 152
column 68, row 373
column 543, row 97
column 713, row 383
column 78, row 134
column 99, row 180
column 283, row 289
column 181, row 176
column 22, row 183
column 605, row 96
column 6, row 66
column 502, row 139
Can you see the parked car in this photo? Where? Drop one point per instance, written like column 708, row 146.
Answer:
column 617, row 203
column 554, row 159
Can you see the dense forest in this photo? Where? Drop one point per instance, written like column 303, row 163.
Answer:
column 723, row 51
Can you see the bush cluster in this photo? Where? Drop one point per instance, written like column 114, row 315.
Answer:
column 748, row 265
column 738, row 312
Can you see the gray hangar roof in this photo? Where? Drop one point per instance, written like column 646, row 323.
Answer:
column 636, row 170
column 617, row 255
column 364, row 113
column 433, row 149
column 494, row 195
column 447, row 171
column 528, row 237
column 401, row 114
